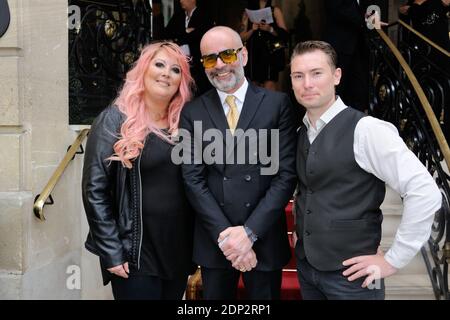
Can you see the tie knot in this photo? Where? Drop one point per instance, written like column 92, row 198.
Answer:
column 233, row 113
column 230, row 100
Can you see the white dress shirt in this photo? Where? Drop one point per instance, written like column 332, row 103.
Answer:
column 239, row 94
column 185, row 47
column 379, row 150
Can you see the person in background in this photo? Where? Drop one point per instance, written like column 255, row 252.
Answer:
column 140, row 221
column 346, row 32
column 186, row 28
column 264, row 64
column 429, row 17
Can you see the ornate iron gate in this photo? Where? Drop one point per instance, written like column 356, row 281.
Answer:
column 102, row 48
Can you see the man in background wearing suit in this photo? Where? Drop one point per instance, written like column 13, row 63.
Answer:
column 240, row 223
column 346, row 32
column 186, row 28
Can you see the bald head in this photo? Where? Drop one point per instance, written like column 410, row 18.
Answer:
column 227, row 76
column 220, row 34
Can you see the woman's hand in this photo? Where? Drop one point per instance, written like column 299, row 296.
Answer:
column 121, row 270
column 265, row 27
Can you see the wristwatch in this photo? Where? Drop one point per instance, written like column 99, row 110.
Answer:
column 250, row 234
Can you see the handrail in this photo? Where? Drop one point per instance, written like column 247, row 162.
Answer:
column 424, row 38
column 42, row 198
column 423, row 99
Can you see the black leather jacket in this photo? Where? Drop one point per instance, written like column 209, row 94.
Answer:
column 111, row 197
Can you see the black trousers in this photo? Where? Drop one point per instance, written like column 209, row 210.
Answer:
column 142, row 287
column 332, row 285
column 221, row 284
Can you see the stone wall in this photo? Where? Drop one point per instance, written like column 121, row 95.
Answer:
column 34, row 136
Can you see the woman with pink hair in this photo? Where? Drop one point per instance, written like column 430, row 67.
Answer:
column 141, row 224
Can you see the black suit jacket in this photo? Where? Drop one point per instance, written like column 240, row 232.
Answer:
column 176, row 31
column 345, row 24
column 225, row 195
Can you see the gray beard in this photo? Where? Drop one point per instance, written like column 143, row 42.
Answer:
column 225, row 86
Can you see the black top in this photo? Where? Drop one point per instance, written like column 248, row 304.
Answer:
column 166, row 214
column 264, row 65
column 430, row 19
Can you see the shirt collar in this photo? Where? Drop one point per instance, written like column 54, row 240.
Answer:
column 239, row 94
column 328, row 115
column 192, row 12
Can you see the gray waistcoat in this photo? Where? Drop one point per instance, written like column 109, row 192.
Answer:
column 338, row 214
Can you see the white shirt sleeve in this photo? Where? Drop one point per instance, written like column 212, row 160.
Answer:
column 380, row 151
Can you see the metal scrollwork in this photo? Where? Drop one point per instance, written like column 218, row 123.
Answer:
column 393, row 99
column 110, row 29
column 383, row 92
column 129, row 58
column 102, row 49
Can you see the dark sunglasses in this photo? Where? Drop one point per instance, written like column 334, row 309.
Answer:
column 227, row 56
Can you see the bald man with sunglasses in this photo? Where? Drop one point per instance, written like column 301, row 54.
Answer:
column 240, row 224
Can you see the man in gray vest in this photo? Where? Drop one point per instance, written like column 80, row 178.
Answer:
column 344, row 159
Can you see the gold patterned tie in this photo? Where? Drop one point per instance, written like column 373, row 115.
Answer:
column 233, row 113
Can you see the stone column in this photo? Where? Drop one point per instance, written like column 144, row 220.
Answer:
column 35, row 256
column 14, row 196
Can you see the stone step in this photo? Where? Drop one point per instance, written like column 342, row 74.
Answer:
column 392, row 197
column 392, row 215
column 417, row 264
column 392, row 209
column 409, row 287
column 412, row 281
column 395, row 210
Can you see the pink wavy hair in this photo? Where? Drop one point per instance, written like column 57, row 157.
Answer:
column 138, row 123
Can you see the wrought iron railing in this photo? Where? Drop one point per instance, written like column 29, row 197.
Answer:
column 431, row 65
column 396, row 95
column 102, row 48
